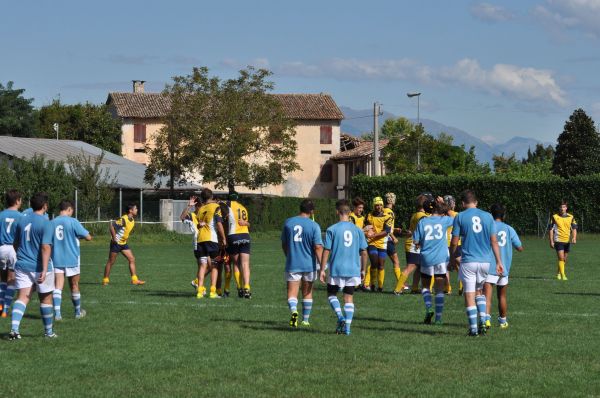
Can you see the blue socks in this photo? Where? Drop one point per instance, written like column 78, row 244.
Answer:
column 306, row 309
column 57, row 301
column 46, row 311
column 481, row 307
column 76, row 299
column 439, row 306
column 2, row 291
column 472, row 315
column 293, row 304
column 9, row 294
column 17, row 314
column 426, row 298
column 349, row 312
column 335, row 306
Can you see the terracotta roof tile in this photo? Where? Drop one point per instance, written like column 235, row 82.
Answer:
column 296, row 106
column 364, row 149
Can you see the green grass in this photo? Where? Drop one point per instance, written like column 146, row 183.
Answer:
column 158, row 340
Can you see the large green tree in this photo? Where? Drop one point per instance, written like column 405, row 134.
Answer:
column 232, row 132
column 84, row 122
column 17, row 116
column 578, row 148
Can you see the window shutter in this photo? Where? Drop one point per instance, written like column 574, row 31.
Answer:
column 326, row 132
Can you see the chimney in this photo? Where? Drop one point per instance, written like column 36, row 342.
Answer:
column 138, row 86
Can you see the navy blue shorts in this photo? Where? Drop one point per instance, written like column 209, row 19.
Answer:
column 561, row 246
column 117, row 248
column 207, row 249
column 413, row 258
column 373, row 251
column 391, row 248
column 238, row 244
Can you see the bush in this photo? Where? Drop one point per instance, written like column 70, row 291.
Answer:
column 529, row 202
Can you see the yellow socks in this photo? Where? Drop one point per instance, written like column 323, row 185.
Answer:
column 561, row 268
column 247, row 287
column 398, row 274
column 134, row 278
column 236, row 276
column 227, row 281
column 105, row 281
column 367, row 282
column 431, row 284
column 373, row 273
column 380, row 278
column 401, row 282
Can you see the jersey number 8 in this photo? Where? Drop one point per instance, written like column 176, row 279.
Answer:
column 477, row 227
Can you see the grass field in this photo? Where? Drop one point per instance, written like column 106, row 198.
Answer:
column 159, row 340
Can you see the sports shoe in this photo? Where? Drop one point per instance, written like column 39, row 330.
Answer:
column 58, row 317
column 504, row 325
column 294, row 320
column 366, row 289
column 82, row 314
column 306, row 324
column 4, row 315
column 195, row 283
column 240, row 293
column 213, row 295
column 201, row 292
column 405, row 288
column 347, row 330
column 564, row 278
column 247, row 294
column 105, row 281
column 428, row 316
column 460, row 292
column 226, row 294
column 1, row 308
column 488, row 324
column 559, row 277
column 50, row 335
column 341, row 326
column 379, row 290
column 482, row 330
column 472, row 333
column 397, row 293
column 14, row 335
column 138, row 282
column 438, row 322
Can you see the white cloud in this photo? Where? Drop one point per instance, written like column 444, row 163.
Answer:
column 490, row 13
column 351, row 68
column 580, row 15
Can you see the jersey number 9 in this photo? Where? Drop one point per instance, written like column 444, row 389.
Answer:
column 347, row 238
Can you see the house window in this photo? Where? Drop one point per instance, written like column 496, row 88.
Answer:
column 139, row 133
column 327, row 173
column 326, row 132
column 139, row 150
column 325, row 152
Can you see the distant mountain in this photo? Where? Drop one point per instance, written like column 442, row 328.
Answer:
column 357, row 122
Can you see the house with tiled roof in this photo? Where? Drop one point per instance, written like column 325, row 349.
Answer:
column 317, row 119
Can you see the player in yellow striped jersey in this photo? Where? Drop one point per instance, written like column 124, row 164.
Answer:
column 120, row 231
column 562, row 232
column 211, row 241
column 357, row 217
column 413, row 254
column 379, row 227
column 188, row 217
column 390, row 202
column 238, row 245
column 451, row 203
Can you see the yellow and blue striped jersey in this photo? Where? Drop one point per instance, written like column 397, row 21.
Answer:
column 209, row 214
column 123, row 227
column 409, row 246
column 237, row 213
column 359, row 221
column 380, row 222
column 452, row 214
column 562, row 227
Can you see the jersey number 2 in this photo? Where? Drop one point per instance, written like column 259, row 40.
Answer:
column 298, row 235
column 439, row 233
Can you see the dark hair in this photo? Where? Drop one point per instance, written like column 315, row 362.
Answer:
column 421, row 201
column 498, row 211
column 440, row 208
column 11, row 197
column 357, row 202
column 468, row 197
column 343, row 206
column 38, row 201
column 564, row 202
column 65, row 204
column 206, row 194
column 131, row 206
column 306, row 206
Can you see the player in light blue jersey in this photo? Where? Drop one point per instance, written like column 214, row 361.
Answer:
column 475, row 228
column 431, row 239
column 33, row 243
column 346, row 249
column 66, row 257
column 507, row 240
column 9, row 218
column 302, row 245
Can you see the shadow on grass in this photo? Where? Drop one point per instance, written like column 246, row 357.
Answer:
column 577, row 294
column 433, row 332
column 281, row 328
column 165, row 293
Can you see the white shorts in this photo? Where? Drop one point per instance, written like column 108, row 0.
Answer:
column 473, row 276
column 497, row 280
column 342, row 282
column 25, row 279
column 68, row 271
column 437, row 269
column 8, row 257
column 297, row 276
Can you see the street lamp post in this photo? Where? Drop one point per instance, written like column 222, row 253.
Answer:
column 418, row 95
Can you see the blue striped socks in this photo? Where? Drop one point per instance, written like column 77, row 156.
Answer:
column 2, row 291
column 9, row 294
column 349, row 312
column 472, row 315
column 306, row 309
column 46, row 311
column 439, row 306
column 293, row 304
column 76, row 299
column 57, row 302
column 481, row 307
column 17, row 314
column 426, row 298
column 335, row 306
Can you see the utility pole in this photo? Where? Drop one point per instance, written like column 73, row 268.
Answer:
column 418, row 95
column 55, row 125
column 376, row 170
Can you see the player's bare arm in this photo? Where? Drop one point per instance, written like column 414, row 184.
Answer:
column 319, row 252
column 574, row 237
column 551, row 236
column 324, row 258
column 364, row 258
column 453, row 260
column 496, row 250
column 46, row 251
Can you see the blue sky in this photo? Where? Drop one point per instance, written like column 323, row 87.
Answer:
column 495, row 69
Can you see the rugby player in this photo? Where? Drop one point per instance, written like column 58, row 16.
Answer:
column 562, row 232
column 9, row 218
column 381, row 225
column 238, row 245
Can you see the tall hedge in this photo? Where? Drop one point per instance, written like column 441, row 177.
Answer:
column 529, row 202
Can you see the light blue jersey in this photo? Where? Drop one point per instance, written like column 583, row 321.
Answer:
column 431, row 236
column 8, row 223
column 32, row 232
column 507, row 239
column 345, row 241
column 475, row 227
column 65, row 247
column 300, row 235
column 29, row 211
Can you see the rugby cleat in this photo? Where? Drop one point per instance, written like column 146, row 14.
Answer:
column 294, row 320
column 105, row 281
column 559, row 277
column 347, row 330
column 14, row 335
column 138, row 282
column 341, row 326
column 397, row 293
column 247, row 294
column 226, row 294
column 240, row 293
column 82, row 314
column 472, row 333
column 438, row 322
column 51, row 335
column 564, row 278
column 214, row 295
column 428, row 316
column 4, row 315
column 58, row 317
column 482, row 330
column 379, row 290
column 504, row 325
column 195, row 283
column 306, row 324
column 488, row 324
column 201, row 292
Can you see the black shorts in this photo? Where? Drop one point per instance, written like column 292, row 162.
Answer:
column 561, row 246
column 332, row 290
column 117, row 248
column 391, row 248
column 238, row 244
column 207, row 249
column 424, row 275
column 413, row 258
